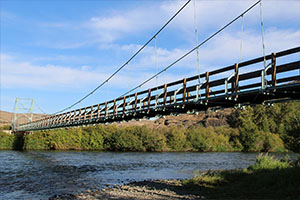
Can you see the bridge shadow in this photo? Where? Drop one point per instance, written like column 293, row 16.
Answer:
column 18, row 142
column 230, row 184
column 237, row 184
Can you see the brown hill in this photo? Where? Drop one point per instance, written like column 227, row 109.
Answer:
column 7, row 117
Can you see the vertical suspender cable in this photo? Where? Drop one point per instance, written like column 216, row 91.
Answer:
column 241, row 43
column 155, row 59
column 197, row 41
column 262, row 34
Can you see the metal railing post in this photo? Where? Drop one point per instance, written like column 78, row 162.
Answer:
column 236, row 71
column 184, row 90
column 207, row 85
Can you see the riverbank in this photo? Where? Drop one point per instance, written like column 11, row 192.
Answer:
column 268, row 178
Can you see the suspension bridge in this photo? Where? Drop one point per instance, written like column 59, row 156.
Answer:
column 256, row 81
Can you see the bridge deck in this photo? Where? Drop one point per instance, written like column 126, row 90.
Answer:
column 187, row 95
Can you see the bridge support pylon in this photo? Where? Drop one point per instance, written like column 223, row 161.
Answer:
column 23, row 112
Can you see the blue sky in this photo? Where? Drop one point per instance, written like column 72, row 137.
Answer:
column 57, row 51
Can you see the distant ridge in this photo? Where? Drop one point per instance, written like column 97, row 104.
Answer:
column 6, row 117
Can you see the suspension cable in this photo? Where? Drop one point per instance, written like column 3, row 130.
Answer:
column 189, row 52
column 197, row 41
column 262, row 34
column 133, row 56
column 38, row 107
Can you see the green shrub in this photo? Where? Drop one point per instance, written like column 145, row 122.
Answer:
column 37, row 140
column 151, row 139
column 176, row 139
column 125, row 140
column 292, row 135
column 271, row 143
column 233, row 135
column 198, row 137
column 92, row 138
column 6, row 141
column 207, row 139
column 266, row 162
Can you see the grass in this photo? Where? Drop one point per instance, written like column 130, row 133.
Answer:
column 268, row 178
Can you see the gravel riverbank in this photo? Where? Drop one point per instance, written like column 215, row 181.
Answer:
column 144, row 190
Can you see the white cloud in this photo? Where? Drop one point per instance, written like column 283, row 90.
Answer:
column 16, row 74
column 120, row 24
column 25, row 75
column 226, row 47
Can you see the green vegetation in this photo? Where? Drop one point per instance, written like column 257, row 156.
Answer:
column 6, row 141
column 268, row 178
column 259, row 128
column 10, row 141
column 142, row 138
column 268, row 128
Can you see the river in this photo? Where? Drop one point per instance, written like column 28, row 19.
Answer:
column 42, row 174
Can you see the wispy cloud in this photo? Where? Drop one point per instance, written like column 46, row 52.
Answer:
column 120, row 24
column 16, row 74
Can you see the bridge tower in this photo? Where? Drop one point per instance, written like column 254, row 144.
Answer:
column 23, row 112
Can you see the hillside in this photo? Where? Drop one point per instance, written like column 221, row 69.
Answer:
column 210, row 118
column 6, row 117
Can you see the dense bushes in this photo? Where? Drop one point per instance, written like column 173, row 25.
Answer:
column 268, row 128
column 208, row 139
column 142, row 138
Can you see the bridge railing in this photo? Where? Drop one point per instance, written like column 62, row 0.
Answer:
column 225, row 82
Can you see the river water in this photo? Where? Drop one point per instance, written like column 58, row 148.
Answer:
column 42, row 174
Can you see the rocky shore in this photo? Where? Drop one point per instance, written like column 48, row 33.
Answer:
column 144, row 190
